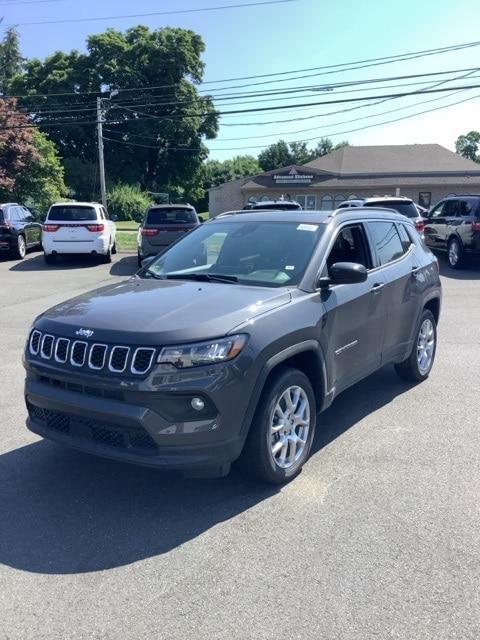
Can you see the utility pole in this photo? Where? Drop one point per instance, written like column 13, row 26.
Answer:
column 101, row 160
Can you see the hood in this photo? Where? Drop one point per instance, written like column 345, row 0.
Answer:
column 161, row 311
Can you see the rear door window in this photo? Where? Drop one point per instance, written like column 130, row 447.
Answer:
column 71, row 213
column 386, row 241
column 171, row 216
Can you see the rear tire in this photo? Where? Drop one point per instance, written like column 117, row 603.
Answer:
column 20, row 250
column 282, row 430
column 456, row 254
column 139, row 260
column 417, row 367
column 107, row 258
column 49, row 258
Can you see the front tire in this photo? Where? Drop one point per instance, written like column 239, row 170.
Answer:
column 456, row 254
column 114, row 248
column 419, row 363
column 20, row 250
column 283, row 428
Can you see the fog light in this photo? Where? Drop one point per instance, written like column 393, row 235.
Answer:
column 198, row 404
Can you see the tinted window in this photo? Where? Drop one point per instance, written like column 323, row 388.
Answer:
column 271, row 254
column 466, row 208
column 171, row 216
column 404, row 237
column 450, row 209
column 28, row 215
column 350, row 246
column 65, row 213
column 438, row 211
column 386, row 241
column 405, row 208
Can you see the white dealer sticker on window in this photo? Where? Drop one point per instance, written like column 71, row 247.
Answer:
column 307, row 227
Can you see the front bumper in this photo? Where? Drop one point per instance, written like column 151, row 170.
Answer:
column 99, row 416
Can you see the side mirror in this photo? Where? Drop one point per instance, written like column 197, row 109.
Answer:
column 201, row 220
column 344, row 273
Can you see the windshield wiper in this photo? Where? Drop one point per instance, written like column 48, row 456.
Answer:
column 202, row 277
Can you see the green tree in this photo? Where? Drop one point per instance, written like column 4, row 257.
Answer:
column 282, row 154
column 215, row 172
column 155, row 132
column 11, row 60
column 128, row 202
column 468, row 145
column 30, row 168
column 41, row 181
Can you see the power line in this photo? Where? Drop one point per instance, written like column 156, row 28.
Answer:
column 347, row 66
column 283, row 92
column 261, row 109
column 153, row 13
column 377, row 124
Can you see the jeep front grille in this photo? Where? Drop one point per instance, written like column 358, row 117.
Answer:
column 101, row 358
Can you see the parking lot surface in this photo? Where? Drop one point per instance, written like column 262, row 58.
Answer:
column 377, row 538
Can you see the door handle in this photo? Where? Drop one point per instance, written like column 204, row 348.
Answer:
column 377, row 287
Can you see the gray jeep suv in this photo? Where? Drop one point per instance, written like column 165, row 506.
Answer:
column 229, row 344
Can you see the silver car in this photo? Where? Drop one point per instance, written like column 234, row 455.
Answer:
column 164, row 224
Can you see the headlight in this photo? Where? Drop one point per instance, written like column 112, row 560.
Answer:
column 199, row 353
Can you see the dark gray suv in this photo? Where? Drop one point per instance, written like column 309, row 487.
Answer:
column 228, row 344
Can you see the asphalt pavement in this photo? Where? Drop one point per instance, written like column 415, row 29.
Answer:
column 379, row 537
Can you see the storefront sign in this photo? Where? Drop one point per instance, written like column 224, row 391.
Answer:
column 293, row 177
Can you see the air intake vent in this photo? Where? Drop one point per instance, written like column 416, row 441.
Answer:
column 77, row 356
column 118, row 359
column 61, row 350
column 35, row 342
column 47, row 346
column 142, row 360
column 97, row 356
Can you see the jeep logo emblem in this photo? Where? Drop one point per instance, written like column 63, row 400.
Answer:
column 84, row 333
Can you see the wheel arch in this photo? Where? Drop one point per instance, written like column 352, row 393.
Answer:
column 306, row 356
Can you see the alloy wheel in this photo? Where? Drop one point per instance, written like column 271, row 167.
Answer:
column 289, row 427
column 22, row 249
column 453, row 253
column 425, row 346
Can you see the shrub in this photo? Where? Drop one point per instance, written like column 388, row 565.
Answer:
column 127, row 201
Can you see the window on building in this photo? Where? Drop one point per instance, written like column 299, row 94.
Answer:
column 311, row 202
column 338, row 200
column 301, row 199
column 327, row 203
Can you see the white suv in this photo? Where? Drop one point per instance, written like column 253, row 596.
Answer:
column 78, row 227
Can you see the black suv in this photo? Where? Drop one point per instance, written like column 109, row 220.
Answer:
column 19, row 230
column 453, row 226
column 229, row 343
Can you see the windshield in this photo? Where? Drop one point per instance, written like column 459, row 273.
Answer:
column 270, row 254
column 405, row 208
column 69, row 212
column 170, row 216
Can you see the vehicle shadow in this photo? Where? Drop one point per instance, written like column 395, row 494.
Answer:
column 126, row 266
column 37, row 263
column 471, row 270
column 64, row 512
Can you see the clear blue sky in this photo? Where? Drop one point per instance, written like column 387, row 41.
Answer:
column 303, row 33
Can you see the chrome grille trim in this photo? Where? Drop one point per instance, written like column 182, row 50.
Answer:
column 62, row 340
column 72, row 362
column 110, row 367
column 49, row 347
column 92, row 348
column 34, row 333
column 43, row 353
column 133, row 369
